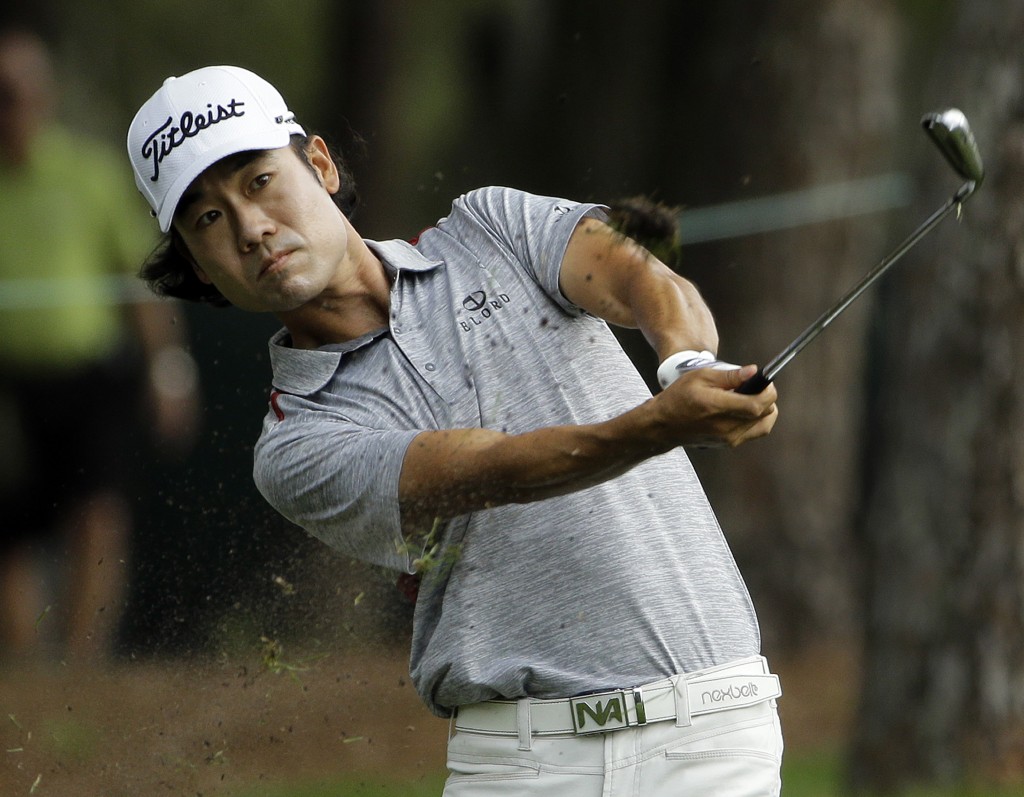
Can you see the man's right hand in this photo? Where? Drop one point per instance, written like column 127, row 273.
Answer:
column 701, row 408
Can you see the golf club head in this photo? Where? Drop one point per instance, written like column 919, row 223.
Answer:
column 952, row 135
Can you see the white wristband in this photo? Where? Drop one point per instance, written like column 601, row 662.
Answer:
column 683, row 362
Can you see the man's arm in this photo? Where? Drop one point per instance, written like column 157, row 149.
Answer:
column 453, row 472
column 616, row 279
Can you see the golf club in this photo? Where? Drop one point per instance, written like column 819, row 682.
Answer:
column 952, row 135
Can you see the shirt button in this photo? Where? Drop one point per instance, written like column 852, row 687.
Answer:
column 430, row 367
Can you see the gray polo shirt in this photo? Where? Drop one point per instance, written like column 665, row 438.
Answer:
column 613, row 586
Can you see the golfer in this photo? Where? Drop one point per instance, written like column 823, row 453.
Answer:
column 457, row 409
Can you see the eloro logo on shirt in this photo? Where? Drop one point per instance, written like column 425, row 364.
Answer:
column 480, row 307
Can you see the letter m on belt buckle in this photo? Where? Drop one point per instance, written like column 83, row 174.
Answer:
column 599, row 713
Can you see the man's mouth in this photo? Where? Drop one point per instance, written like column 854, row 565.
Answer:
column 274, row 262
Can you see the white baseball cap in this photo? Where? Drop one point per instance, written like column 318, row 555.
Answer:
column 197, row 119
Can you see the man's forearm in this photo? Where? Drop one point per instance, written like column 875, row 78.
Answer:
column 673, row 316
column 449, row 473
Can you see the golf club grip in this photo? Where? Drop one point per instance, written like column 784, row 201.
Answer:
column 757, row 383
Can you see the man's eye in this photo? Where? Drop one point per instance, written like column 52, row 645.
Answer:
column 207, row 218
column 261, row 181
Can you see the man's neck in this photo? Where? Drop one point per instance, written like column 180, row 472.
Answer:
column 356, row 304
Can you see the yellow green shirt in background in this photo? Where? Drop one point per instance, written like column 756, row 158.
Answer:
column 70, row 221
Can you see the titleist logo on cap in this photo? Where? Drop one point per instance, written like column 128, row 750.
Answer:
column 163, row 141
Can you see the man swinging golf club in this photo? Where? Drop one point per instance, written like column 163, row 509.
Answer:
column 457, row 409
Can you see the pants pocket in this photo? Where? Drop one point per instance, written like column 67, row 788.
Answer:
column 743, row 759
column 482, row 776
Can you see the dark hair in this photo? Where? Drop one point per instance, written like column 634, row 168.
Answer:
column 169, row 271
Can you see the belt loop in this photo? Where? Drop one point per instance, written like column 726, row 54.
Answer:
column 524, row 723
column 682, row 696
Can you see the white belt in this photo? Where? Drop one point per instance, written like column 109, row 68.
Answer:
column 729, row 686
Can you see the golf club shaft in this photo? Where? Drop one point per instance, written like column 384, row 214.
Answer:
column 765, row 375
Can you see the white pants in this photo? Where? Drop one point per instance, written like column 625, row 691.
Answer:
column 734, row 753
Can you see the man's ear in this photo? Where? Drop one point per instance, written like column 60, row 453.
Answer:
column 320, row 159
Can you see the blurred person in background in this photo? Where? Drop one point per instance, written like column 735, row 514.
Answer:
column 77, row 369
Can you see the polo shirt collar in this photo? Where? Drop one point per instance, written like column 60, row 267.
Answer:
column 304, row 371
column 401, row 256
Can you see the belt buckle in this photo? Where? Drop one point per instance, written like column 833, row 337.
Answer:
column 605, row 711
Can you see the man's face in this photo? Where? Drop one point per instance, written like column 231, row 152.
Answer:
column 263, row 229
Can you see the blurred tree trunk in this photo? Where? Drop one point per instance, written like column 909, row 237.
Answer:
column 943, row 698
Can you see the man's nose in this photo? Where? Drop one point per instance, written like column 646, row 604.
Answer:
column 253, row 226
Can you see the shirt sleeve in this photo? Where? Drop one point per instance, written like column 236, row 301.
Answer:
column 534, row 229
column 337, row 480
